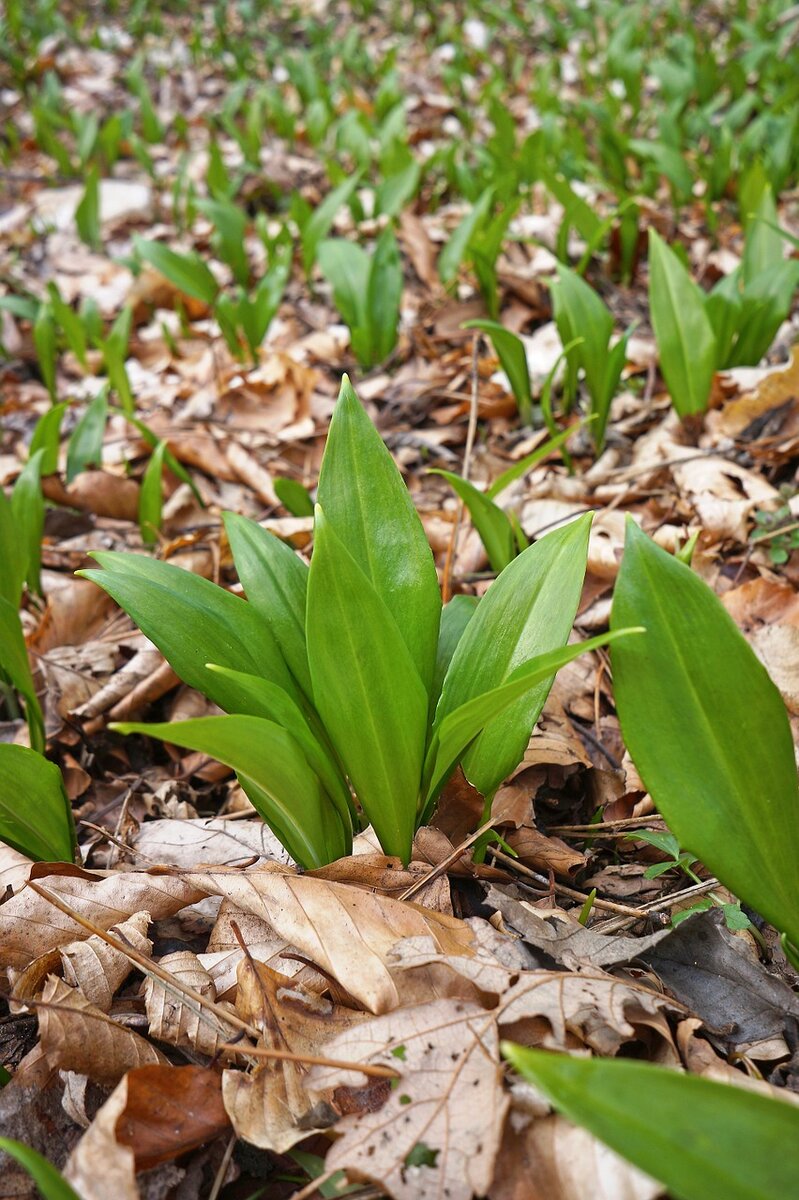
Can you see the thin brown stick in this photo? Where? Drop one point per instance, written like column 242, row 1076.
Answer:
column 313, row 1060
column 653, row 906
column 441, row 867
column 549, row 885
column 219, row 1178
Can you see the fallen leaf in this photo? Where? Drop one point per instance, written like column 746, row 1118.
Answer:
column 168, row 1111
column 176, row 1019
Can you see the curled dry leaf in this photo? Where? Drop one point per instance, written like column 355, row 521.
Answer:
column 551, row 1159
column 96, row 969
column 77, row 1036
column 99, row 1167
column 176, row 1019
column 30, row 925
column 439, row 1131
column 344, row 931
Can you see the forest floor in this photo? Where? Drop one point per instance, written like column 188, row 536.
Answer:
column 496, row 141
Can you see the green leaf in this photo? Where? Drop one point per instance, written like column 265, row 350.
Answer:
column 763, row 248
column 192, row 622
column 186, row 271
column 723, row 306
column 367, row 689
column 346, row 266
column 580, row 311
column 319, row 223
column 286, row 792
column 527, row 463
column 460, row 727
column 453, row 254
column 50, row 1182
column 495, row 530
column 87, row 214
column 682, row 327
column 47, row 437
column 384, row 296
column 765, row 305
column 15, row 665
column 527, row 611
column 689, row 696
column 703, row 1140
column 35, row 814
column 230, row 223
column 27, row 511
column 365, row 500
column 455, row 616
column 85, row 447
column 174, row 465
column 275, row 580
column 44, row 339
column 268, row 700
column 151, row 496
column 70, row 323
column 510, row 351
column 293, row 496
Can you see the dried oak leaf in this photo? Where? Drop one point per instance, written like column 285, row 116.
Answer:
column 346, row 932
column 439, row 1131
column 77, row 1036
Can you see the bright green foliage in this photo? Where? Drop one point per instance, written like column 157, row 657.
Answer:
column 332, row 674
column 367, row 290
column 151, row 496
column 35, row 814
column 685, row 339
column 186, row 271
column 703, row 1140
column 49, row 1181
column 689, row 696
column 580, row 313
column 513, row 359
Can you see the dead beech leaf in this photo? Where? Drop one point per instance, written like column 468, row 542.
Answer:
column 189, row 843
column 439, row 1131
column 99, row 1166
column 77, row 1036
column 96, row 492
column 551, row 1159
column 177, row 1022
column 273, row 1107
column 96, row 969
column 14, row 869
column 30, row 925
column 768, row 613
column 723, row 494
column 343, row 930
column 169, row 1110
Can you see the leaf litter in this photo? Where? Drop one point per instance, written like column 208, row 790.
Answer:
column 382, row 1015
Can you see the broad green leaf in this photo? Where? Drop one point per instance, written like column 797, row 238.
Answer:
column 87, row 214
column 455, row 616
column 50, row 1182
column 460, row 727
column 453, row 254
column 766, row 303
column 723, row 306
column 14, row 552
column 85, row 447
column 230, row 223
column 47, row 437
column 396, row 190
column 70, row 322
column 262, row 752
column 192, row 622
column 513, row 359
column 275, row 580
column 495, row 530
column 690, row 696
column 684, row 335
column 527, row 611
column 27, row 510
column 384, row 296
column 668, row 161
column 763, row 248
column 577, row 212
column 346, row 266
column 16, row 667
column 151, row 496
column 44, row 339
column 319, row 223
column 365, row 500
column 35, row 814
column 580, row 312
column 152, row 441
column 293, row 496
column 367, row 689
column 270, row 701
column 702, row 1139
column 186, row 271
column 614, row 365
column 115, row 350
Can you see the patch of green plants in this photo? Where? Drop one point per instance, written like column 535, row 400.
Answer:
column 357, row 642
column 778, row 529
column 367, row 291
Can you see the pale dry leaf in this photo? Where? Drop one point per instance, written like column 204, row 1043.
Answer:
column 723, row 494
column 92, row 966
column 99, row 1167
column 30, row 925
column 343, row 930
column 77, row 1036
column 14, row 869
column 175, row 1019
column 551, row 1159
column 446, row 1112
column 559, row 1011
column 190, row 843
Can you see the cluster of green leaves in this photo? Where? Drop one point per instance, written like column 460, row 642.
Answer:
column 348, row 675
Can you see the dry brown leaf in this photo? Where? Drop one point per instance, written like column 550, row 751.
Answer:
column 551, row 1159
column 447, row 1110
column 96, row 492
column 723, row 494
column 30, row 925
column 344, row 931
column 99, row 1166
column 168, row 1111
column 768, row 613
column 78, row 1036
column 96, row 969
column 14, row 869
column 224, row 843
column 176, row 1020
